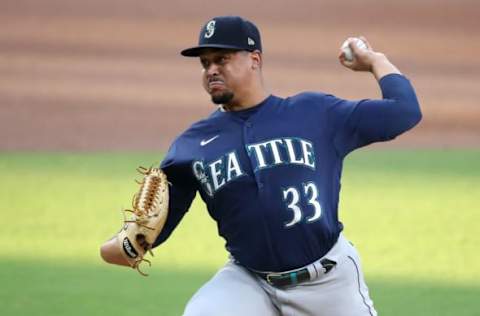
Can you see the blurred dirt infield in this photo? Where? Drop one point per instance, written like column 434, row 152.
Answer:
column 106, row 75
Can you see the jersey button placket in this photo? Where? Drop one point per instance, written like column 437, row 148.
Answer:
column 249, row 139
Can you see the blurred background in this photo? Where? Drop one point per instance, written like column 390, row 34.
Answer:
column 89, row 90
column 107, row 75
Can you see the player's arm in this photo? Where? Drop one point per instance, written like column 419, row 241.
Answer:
column 367, row 121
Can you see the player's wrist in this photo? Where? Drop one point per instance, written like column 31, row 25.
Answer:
column 381, row 66
column 378, row 60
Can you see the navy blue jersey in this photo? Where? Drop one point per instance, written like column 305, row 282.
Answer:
column 270, row 175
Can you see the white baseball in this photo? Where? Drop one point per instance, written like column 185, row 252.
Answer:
column 347, row 51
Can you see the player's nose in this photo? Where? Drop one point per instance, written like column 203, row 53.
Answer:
column 212, row 70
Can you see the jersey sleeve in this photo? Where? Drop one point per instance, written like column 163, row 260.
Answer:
column 182, row 190
column 359, row 123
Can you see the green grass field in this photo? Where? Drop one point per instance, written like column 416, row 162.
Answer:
column 414, row 216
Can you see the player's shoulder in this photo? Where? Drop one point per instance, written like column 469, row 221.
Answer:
column 308, row 95
column 198, row 129
column 180, row 149
column 307, row 99
column 316, row 98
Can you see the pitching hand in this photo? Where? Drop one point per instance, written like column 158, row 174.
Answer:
column 362, row 58
column 367, row 60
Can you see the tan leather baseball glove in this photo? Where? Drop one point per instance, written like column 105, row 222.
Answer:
column 148, row 216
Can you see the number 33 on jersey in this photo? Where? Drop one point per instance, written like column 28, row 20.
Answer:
column 216, row 174
column 310, row 191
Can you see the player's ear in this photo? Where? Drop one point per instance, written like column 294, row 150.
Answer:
column 256, row 59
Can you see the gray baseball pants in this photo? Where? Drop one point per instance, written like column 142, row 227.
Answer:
column 235, row 291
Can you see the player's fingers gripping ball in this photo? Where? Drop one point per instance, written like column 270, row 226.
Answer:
column 349, row 44
column 357, row 54
column 148, row 215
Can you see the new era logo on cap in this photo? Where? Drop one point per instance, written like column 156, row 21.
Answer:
column 229, row 32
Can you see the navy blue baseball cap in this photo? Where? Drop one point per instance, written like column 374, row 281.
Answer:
column 230, row 32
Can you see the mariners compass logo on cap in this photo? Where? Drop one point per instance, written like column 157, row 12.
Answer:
column 210, row 29
column 226, row 32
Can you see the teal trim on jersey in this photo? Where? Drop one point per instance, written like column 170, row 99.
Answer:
column 300, row 139
column 284, row 160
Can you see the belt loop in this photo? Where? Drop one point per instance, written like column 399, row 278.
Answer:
column 313, row 271
column 317, row 265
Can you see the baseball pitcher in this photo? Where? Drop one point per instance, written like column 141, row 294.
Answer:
column 268, row 169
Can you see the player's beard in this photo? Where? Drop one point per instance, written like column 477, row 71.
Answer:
column 223, row 98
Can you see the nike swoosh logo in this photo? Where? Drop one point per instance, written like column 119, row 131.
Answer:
column 206, row 141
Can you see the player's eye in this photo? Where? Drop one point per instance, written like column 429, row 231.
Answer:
column 221, row 60
column 205, row 63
